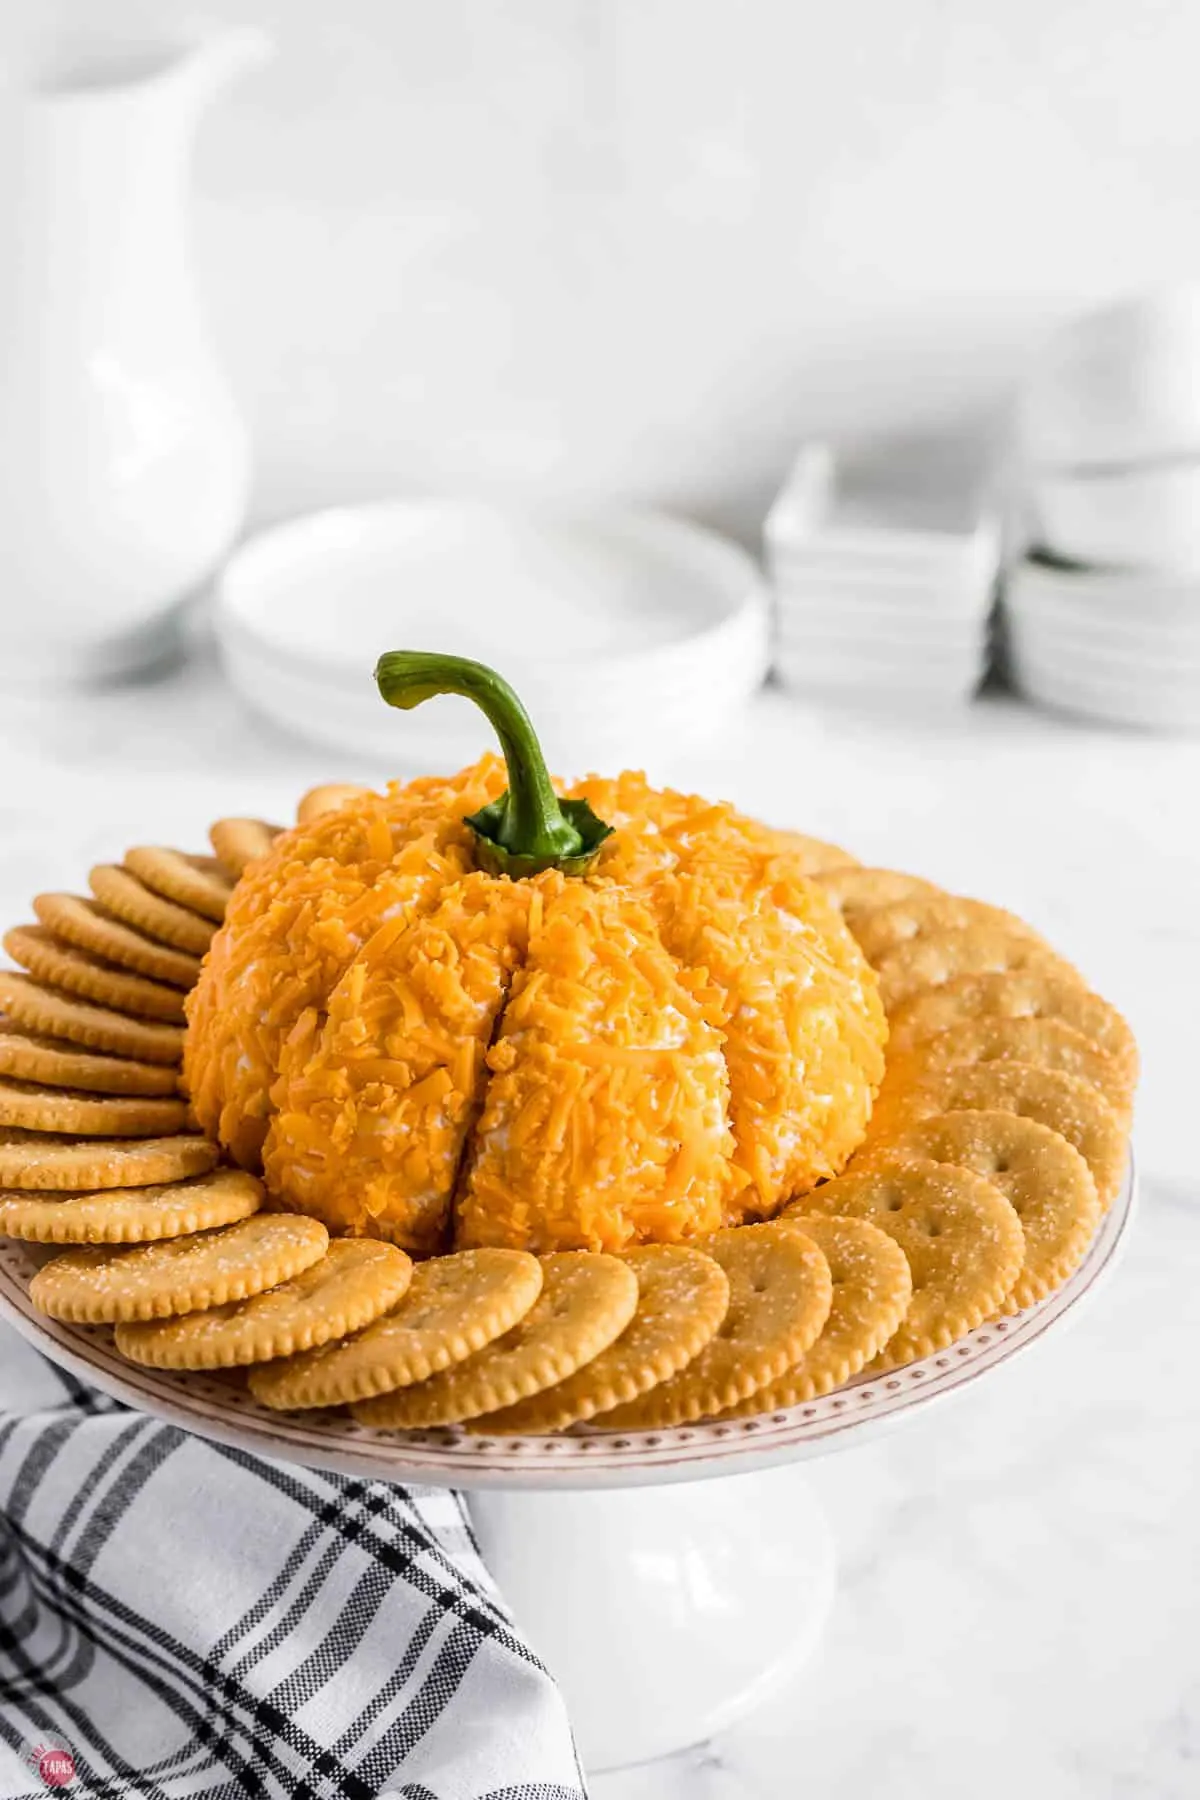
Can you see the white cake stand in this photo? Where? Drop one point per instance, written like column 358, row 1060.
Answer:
column 666, row 1603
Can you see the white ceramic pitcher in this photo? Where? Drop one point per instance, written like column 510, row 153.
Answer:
column 124, row 463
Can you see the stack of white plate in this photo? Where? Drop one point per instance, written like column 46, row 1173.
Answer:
column 883, row 576
column 628, row 635
column 1113, row 645
column 1105, row 619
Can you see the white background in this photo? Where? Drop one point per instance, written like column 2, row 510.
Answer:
column 641, row 246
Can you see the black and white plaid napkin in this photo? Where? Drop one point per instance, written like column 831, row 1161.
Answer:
column 183, row 1620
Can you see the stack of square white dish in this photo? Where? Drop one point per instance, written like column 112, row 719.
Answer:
column 883, row 571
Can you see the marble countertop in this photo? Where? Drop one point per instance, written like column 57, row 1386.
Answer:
column 1019, row 1605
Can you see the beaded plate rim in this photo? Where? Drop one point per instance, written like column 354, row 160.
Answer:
column 219, row 1408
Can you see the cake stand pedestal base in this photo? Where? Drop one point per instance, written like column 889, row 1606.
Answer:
column 665, row 1613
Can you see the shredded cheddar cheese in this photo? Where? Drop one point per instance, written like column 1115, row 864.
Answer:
column 686, row 1037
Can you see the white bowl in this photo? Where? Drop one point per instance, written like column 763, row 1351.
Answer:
column 625, row 633
column 1118, row 386
column 1137, row 519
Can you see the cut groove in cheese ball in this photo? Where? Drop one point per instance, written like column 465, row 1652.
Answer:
column 605, row 1121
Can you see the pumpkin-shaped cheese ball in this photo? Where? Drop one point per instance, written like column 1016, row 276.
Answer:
column 462, row 1014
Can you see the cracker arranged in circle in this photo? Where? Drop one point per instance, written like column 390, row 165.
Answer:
column 54, row 1014
column 1032, row 993
column 85, row 925
column 1063, row 1102
column 355, row 1281
column 811, row 854
column 239, row 842
column 682, row 1297
column 102, row 1285
column 37, row 1108
column 331, row 796
column 78, row 973
column 27, row 1056
column 872, row 1288
column 929, row 962
column 962, row 1238
column 132, row 1215
column 454, row 1306
column 586, row 1301
column 1044, row 1043
column 36, row 1160
column 921, row 915
column 1043, row 1177
column 780, row 1291
column 127, row 898
column 197, row 882
column 855, row 890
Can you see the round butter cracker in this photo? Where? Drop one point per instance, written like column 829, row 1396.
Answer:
column 1032, row 993
column 55, row 1062
column 355, row 1281
column 32, row 1107
column 50, row 1012
column 961, row 1237
column 1043, row 1043
column 331, row 796
column 1064, row 1103
column 97, row 1285
column 84, row 925
column 77, row 973
column 780, row 1292
column 921, row 915
column 239, row 842
column 872, row 1288
column 454, row 1306
column 586, row 1301
column 929, row 962
column 37, row 1160
column 683, row 1296
column 129, row 899
column 1044, row 1178
column 131, row 1215
column 809, row 854
column 855, row 890
column 197, row 882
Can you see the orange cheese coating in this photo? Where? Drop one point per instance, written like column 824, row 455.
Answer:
column 795, row 999
column 374, row 1106
column 605, row 1118
column 296, row 921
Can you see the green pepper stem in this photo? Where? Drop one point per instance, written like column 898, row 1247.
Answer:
column 528, row 826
